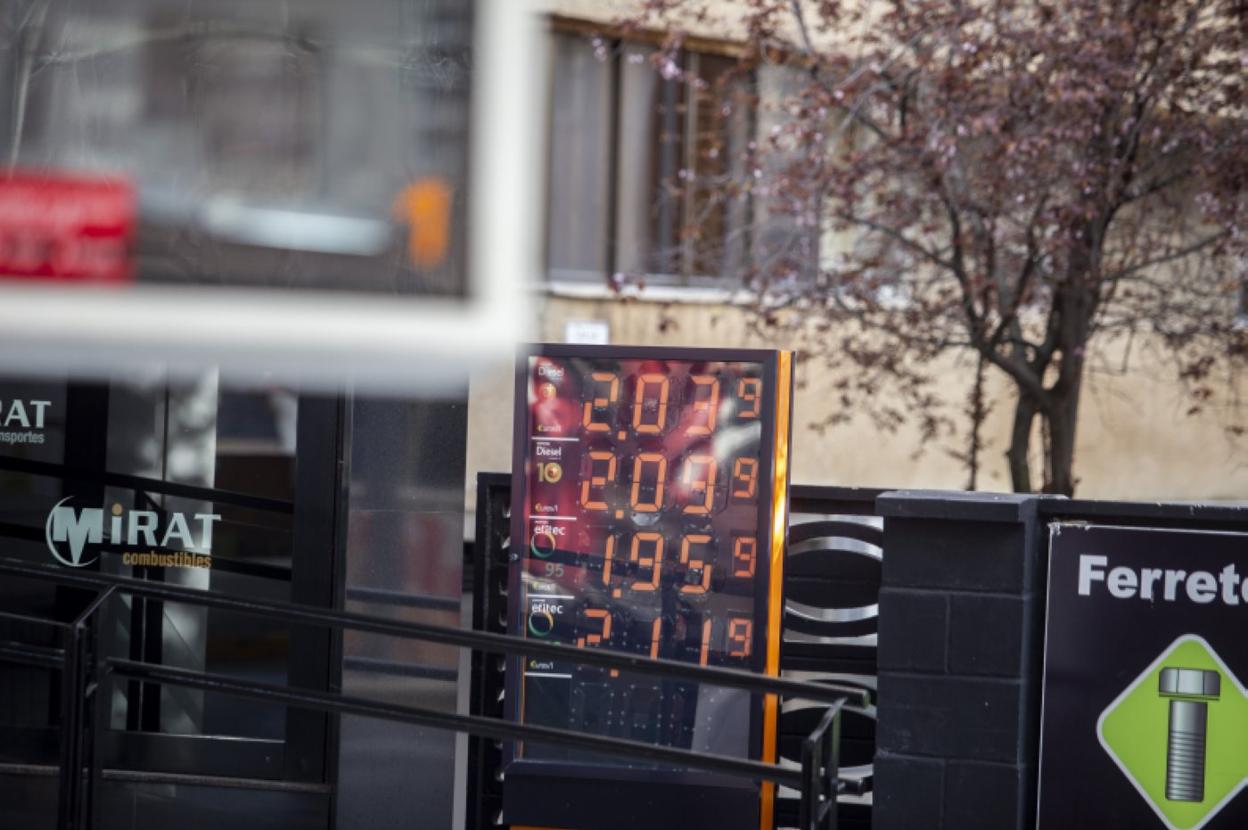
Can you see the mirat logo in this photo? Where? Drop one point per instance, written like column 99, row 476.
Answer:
column 22, row 421
column 173, row 539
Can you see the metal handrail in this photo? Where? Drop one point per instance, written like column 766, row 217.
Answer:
column 447, row 635
column 474, row 724
column 147, row 485
column 401, row 599
column 26, row 654
column 817, row 780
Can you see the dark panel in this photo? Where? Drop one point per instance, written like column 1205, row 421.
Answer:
column 970, row 556
column 986, row 635
column 194, row 754
column 956, row 505
column 491, row 551
column 986, row 796
column 829, row 658
column 857, row 734
column 909, row 793
column 1148, row 514
column 318, row 542
column 951, row 717
column 144, row 806
column 914, row 630
column 529, row 795
column 404, row 539
column 28, row 801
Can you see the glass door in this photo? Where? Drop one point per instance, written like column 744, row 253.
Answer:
column 206, row 485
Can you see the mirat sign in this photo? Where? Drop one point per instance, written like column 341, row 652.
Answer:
column 174, row 540
column 22, row 421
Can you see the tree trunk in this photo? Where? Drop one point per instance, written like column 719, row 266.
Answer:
column 1062, row 414
column 1020, row 442
column 1063, row 421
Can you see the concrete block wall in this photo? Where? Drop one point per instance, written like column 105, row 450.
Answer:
column 960, row 651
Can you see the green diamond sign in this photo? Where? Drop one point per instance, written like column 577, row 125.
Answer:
column 1178, row 733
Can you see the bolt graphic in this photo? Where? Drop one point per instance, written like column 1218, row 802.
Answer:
column 1190, row 691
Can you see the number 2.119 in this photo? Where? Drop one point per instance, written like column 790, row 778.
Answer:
column 737, row 634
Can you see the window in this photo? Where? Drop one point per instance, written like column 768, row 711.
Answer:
column 645, row 168
column 273, row 145
column 245, row 99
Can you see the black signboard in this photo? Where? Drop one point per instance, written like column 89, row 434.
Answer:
column 1145, row 719
column 649, row 492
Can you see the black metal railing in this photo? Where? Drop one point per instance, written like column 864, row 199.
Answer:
column 832, row 585
column 78, row 662
column 832, row 575
column 86, row 672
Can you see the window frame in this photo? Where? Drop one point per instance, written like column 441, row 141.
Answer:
column 684, row 278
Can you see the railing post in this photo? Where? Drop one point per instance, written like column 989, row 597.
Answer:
column 80, row 722
column 831, row 768
column 95, row 700
column 68, row 812
column 820, row 776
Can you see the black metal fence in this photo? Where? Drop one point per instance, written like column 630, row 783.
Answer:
column 832, row 585
column 87, row 673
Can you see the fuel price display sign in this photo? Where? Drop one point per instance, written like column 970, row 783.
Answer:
column 648, row 513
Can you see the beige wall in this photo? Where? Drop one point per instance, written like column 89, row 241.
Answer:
column 1135, row 441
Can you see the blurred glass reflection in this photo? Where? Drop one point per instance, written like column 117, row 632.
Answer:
column 272, row 144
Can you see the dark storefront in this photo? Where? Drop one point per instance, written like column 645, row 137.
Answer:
column 282, row 191
column 255, row 493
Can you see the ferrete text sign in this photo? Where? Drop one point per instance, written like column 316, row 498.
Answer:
column 1145, row 721
column 64, row 227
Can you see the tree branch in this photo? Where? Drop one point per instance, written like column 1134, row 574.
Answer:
column 897, row 236
column 1171, row 256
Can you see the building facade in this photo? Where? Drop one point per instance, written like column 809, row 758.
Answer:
column 618, row 129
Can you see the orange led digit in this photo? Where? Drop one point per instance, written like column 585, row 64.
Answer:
column 705, row 409
column 608, row 554
column 699, row 479
column 641, row 403
column 741, row 635
column 744, row 478
column 605, row 634
column 695, row 564
column 597, row 403
column 654, row 561
column 744, row 552
column 595, row 482
column 748, row 393
column 704, row 651
column 640, row 475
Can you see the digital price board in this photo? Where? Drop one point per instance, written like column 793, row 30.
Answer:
column 648, row 517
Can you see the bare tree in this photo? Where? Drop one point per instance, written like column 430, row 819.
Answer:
column 1025, row 182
